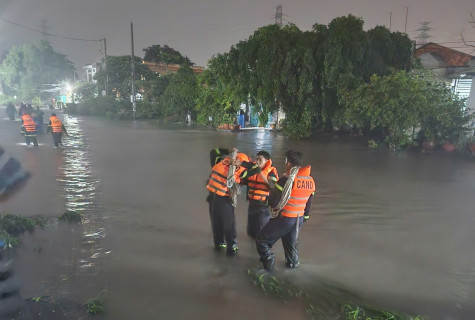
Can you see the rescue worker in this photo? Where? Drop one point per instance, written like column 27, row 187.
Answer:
column 28, row 129
column 259, row 179
column 291, row 200
column 215, row 155
column 221, row 210
column 57, row 128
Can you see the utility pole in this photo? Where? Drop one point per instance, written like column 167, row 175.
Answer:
column 44, row 29
column 405, row 25
column 105, row 66
column 133, row 70
column 390, row 20
column 278, row 15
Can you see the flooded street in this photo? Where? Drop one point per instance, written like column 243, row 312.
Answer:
column 394, row 229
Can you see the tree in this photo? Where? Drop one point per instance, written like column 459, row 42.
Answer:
column 404, row 104
column 216, row 96
column 345, row 48
column 120, row 76
column 30, row 70
column 165, row 55
column 180, row 95
column 85, row 91
column 275, row 68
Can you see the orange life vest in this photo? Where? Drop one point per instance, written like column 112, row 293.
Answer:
column 302, row 188
column 258, row 189
column 56, row 124
column 218, row 178
column 29, row 124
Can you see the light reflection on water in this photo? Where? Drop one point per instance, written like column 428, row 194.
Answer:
column 80, row 190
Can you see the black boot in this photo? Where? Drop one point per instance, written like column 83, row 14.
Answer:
column 268, row 263
column 232, row 250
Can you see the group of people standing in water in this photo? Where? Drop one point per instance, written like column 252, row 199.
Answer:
column 277, row 206
column 32, row 124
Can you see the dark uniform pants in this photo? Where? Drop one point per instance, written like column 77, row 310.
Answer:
column 31, row 139
column 223, row 223
column 284, row 228
column 57, row 138
column 257, row 218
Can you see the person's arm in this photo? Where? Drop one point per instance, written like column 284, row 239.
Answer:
column 276, row 194
column 306, row 213
column 271, row 180
column 64, row 130
column 252, row 170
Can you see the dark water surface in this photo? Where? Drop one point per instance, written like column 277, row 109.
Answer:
column 395, row 229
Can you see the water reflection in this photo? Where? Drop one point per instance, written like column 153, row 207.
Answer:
column 80, row 187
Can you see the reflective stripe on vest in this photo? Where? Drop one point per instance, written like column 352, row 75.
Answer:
column 258, row 189
column 55, row 124
column 218, row 178
column 29, row 124
column 302, row 188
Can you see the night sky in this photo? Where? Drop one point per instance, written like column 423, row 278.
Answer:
column 201, row 28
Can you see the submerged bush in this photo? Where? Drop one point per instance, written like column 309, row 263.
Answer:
column 71, row 217
column 96, row 304
column 324, row 301
column 12, row 226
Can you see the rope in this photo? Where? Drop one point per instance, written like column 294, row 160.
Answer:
column 285, row 192
column 234, row 188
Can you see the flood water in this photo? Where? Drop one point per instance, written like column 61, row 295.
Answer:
column 392, row 229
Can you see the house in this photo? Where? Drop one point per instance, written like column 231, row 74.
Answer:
column 90, row 70
column 456, row 67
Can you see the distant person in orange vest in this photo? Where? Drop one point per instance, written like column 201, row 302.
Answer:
column 28, row 129
column 57, row 128
column 259, row 179
column 290, row 202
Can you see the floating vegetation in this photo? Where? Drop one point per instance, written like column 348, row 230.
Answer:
column 325, row 302
column 39, row 299
column 71, row 217
column 96, row 305
column 12, row 226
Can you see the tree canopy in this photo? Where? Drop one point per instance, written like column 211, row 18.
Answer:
column 119, row 75
column 164, row 54
column 30, row 70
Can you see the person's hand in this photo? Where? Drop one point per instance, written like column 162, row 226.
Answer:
column 263, row 176
column 305, row 218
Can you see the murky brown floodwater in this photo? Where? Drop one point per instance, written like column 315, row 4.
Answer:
column 396, row 229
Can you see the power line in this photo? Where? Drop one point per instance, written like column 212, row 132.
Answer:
column 46, row 33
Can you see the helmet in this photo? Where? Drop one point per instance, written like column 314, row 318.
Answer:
column 243, row 157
